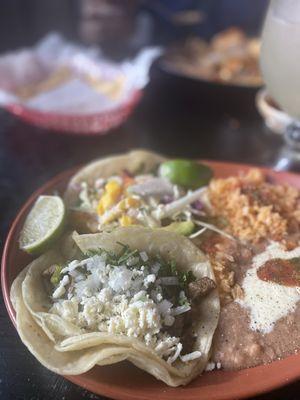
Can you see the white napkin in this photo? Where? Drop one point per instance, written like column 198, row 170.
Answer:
column 28, row 66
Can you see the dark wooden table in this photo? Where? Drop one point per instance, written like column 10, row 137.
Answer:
column 166, row 121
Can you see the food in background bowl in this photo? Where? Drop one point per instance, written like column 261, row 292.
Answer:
column 229, row 58
column 64, row 75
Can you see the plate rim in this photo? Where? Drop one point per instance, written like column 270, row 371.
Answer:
column 109, row 390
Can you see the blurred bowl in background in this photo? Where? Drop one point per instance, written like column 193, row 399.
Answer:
column 209, row 96
column 222, row 74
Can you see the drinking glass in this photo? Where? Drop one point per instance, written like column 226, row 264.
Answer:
column 280, row 65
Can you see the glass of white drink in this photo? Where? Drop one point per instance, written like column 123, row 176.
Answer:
column 280, row 61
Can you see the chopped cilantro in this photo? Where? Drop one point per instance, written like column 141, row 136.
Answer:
column 127, row 255
column 55, row 277
column 167, row 268
column 185, row 278
column 183, row 301
column 170, row 269
column 93, row 252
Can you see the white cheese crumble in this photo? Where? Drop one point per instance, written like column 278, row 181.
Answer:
column 119, row 300
column 149, row 279
column 159, row 297
column 144, row 256
column 268, row 301
column 210, row 366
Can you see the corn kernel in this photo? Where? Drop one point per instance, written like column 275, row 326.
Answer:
column 113, row 188
column 133, row 202
column 112, row 192
column 126, row 220
column 100, row 209
column 128, row 202
column 105, row 203
column 122, row 205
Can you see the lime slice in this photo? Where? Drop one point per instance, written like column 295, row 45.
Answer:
column 186, row 173
column 43, row 224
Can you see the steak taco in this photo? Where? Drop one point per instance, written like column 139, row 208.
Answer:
column 146, row 296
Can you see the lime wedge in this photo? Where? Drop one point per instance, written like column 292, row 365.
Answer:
column 43, row 224
column 186, row 173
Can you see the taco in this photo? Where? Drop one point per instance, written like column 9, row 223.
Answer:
column 137, row 188
column 136, row 294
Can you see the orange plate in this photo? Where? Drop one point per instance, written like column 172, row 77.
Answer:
column 124, row 381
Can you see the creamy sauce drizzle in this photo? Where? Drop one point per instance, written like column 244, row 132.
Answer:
column 268, row 301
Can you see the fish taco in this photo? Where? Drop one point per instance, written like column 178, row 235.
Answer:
column 137, row 188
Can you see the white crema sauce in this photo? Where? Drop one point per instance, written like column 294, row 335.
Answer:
column 267, row 302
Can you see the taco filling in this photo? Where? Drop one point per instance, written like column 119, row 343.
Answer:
column 131, row 293
column 168, row 194
column 138, row 200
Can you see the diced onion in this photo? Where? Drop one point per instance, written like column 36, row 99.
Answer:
column 144, row 256
column 168, row 281
column 181, row 309
column 60, row 290
column 175, row 355
column 164, row 307
column 191, row 356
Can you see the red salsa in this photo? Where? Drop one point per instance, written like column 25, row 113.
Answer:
column 283, row 272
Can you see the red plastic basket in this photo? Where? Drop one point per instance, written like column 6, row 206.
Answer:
column 74, row 124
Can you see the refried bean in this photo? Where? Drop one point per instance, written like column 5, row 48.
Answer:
column 255, row 212
column 236, row 346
